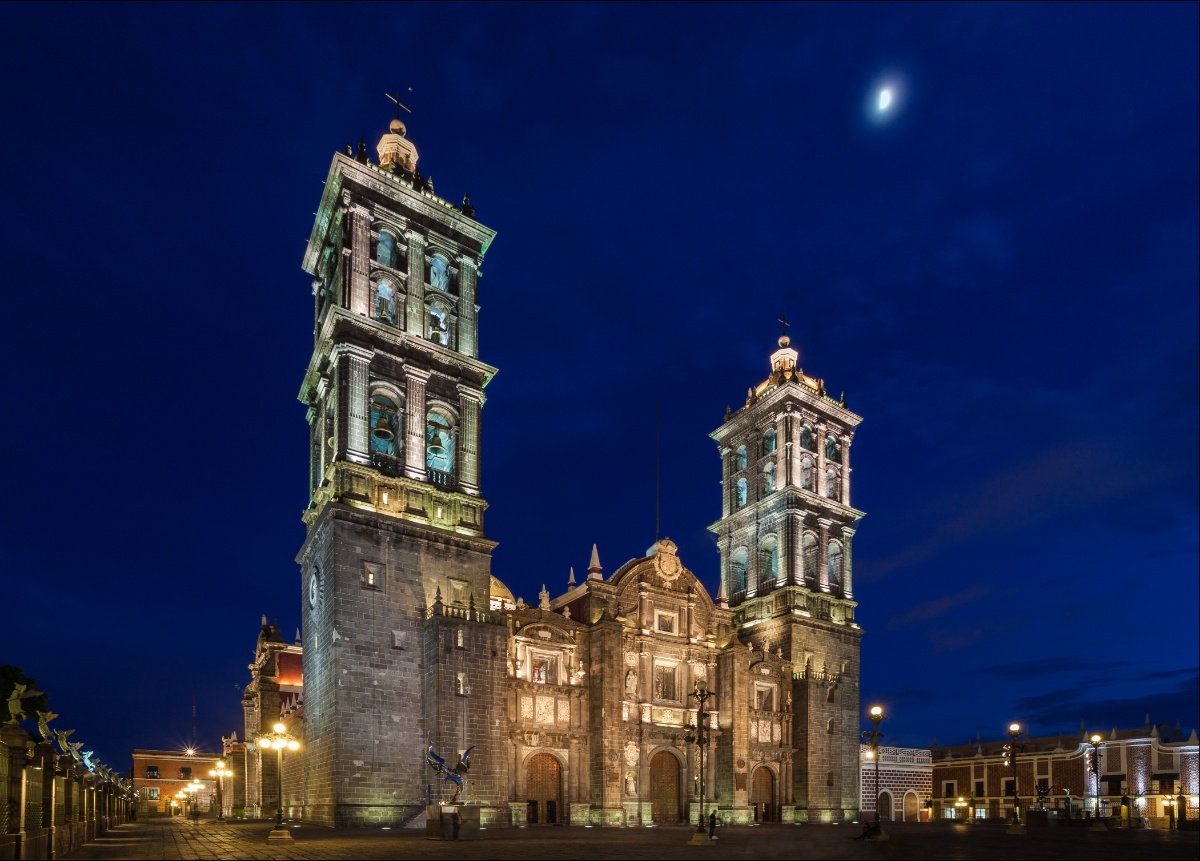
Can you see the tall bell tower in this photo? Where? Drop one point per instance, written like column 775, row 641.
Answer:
column 785, row 537
column 393, row 393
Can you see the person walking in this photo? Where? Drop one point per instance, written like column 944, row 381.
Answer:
column 712, row 825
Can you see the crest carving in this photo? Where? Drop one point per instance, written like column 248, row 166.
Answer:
column 666, row 563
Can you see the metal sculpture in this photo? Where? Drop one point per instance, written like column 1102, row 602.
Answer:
column 452, row 774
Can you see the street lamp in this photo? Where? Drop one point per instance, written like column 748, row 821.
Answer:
column 220, row 773
column 873, row 736
column 699, row 736
column 279, row 739
column 1014, row 733
column 1097, row 824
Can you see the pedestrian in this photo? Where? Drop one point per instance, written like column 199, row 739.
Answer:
column 712, row 825
column 457, row 821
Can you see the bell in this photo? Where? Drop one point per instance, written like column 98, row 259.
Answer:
column 382, row 429
column 435, row 445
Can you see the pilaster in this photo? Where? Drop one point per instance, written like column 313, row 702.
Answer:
column 468, row 274
column 470, row 400
column 414, row 443
column 359, row 218
column 414, row 317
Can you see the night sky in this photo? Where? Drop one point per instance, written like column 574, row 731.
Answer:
column 1000, row 273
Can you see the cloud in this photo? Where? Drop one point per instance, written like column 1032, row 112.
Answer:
column 1049, row 666
column 938, row 607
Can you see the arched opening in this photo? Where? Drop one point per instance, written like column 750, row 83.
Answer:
column 385, row 303
column 762, row 795
column 912, row 811
column 768, row 444
column 741, row 457
column 439, row 325
column 385, row 429
column 806, row 474
column 543, row 790
column 439, row 273
column 439, row 448
column 884, row 805
column 664, row 788
column 741, row 492
column 806, row 438
column 738, row 563
column 385, row 250
column 831, row 483
column 768, row 560
column 769, row 477
column 810, row 558
column 835, row 567
column 831, row 448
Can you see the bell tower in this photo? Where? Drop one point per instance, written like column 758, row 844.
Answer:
column 393, row 391
column 785, row 538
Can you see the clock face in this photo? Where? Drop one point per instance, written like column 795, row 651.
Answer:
column 314, row 591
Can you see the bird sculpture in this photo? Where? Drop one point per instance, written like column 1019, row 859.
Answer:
column 452, row 774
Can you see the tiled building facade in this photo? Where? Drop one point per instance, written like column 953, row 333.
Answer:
column 579, row 709
column 905, row 783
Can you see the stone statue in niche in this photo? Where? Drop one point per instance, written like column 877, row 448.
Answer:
column 439, row 274
column 630, row 783
column 543, row 598
column 631, row 683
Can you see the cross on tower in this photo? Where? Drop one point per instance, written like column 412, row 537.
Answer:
column 785, row 323
column 396, row 99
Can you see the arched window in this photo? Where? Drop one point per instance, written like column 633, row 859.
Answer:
column 806, row 438
column 385, row 302
column 439, row 443
column 769, row 477
column 741, row 457
column 439, row 273
column 768, row 444
column 439, row 325
column 831, row 483
column 769, row 559
column 738, row 562
column 831, row 449
column 810, row 556
column 385, row 426
column 385, row 249
column 806, row 473
column 835, row 566
column 829, row 726
column 741, row 492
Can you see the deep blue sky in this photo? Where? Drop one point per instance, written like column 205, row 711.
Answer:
column 1003, row 280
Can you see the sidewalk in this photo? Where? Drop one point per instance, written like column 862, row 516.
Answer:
column 166, row 839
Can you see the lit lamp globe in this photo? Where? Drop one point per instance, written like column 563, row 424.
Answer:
column 876, row 710
column 1095, row 739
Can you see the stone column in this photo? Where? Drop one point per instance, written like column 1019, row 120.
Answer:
column 45, row 755
column 353, row 374
column 470, row 400
column 793, row 449
column 847, row 566
column 468, row 273
column 819, row 484
column 794, row 545
column 823, row 554
column 359, row 220
column 414, row 442
column 845, row 452
column 727, row 457
column 780, row 453
column 414, row 316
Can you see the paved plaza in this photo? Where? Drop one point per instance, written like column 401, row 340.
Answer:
column 177, row 838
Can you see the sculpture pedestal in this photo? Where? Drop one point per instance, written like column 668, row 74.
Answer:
column 439, row 821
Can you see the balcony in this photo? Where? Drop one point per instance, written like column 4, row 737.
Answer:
column 440, row 479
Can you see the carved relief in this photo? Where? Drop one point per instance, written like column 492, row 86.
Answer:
column 545, row 710
column 527, row 709
column 564, row 711
column 631, row 754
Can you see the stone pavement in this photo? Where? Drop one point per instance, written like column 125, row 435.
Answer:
column 165, row 838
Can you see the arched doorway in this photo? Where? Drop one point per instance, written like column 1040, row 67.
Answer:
column 885, row 805
column 664, row 787
column 543, row 790
column 762, row 794
column 911, row 811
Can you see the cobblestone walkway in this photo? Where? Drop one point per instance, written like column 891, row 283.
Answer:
column 176, row 838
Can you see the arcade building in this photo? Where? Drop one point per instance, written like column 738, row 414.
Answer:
column 583, row 708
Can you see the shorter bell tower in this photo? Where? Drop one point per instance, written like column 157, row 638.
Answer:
column 785, row 539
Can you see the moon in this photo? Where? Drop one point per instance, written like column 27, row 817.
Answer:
column 885, row 98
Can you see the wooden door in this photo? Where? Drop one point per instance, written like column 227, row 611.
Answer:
column 664, row 788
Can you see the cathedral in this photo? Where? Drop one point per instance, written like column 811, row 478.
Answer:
column 633, row 698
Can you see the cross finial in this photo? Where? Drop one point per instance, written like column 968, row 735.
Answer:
column 396, row 99
column 785, row 323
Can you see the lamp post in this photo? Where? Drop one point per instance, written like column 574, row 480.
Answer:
column 279, row 739
column 1169, row 803
column 1097, row 824
column 960, row 808
column 220, row 773
column 193, row 793
column 1014, row 733
column 873, row 735
column 699, row 736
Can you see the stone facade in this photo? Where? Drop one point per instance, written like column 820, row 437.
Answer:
column 581, row 709
column 1143, row 774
